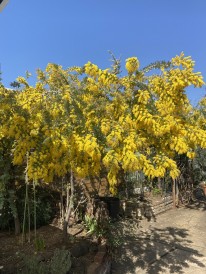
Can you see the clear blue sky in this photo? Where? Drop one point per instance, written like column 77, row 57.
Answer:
column 66, row 32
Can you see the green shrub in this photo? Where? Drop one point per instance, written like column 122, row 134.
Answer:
column 39, row 244
column 105, row 230
column 45, row 207
column 156, row 191
column 60, row 264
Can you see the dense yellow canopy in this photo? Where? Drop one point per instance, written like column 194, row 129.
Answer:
column 87, row 118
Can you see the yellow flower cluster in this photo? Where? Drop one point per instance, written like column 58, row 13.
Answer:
column 132, row 64
column 143, row 97
column 91, row 69
column 105, row 126
column 86, row 118
column 92, row 85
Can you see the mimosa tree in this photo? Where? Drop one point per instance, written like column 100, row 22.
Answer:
column 81, row 120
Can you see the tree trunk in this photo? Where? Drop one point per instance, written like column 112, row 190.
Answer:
column 122, row 183
column 69, row 206
column 17, row 225
column 174, row 193
column 13, row 206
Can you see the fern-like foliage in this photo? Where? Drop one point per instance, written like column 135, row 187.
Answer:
column 116, row 64
column 156, row 65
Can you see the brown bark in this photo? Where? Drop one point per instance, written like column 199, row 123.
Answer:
column 17, row 225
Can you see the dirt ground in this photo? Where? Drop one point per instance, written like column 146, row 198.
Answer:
column 12, row 249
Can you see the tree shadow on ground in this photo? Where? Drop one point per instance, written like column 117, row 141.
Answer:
column 167, row 250
column 198, row 205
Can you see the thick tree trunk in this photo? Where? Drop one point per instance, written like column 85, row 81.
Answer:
column 122, row 184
